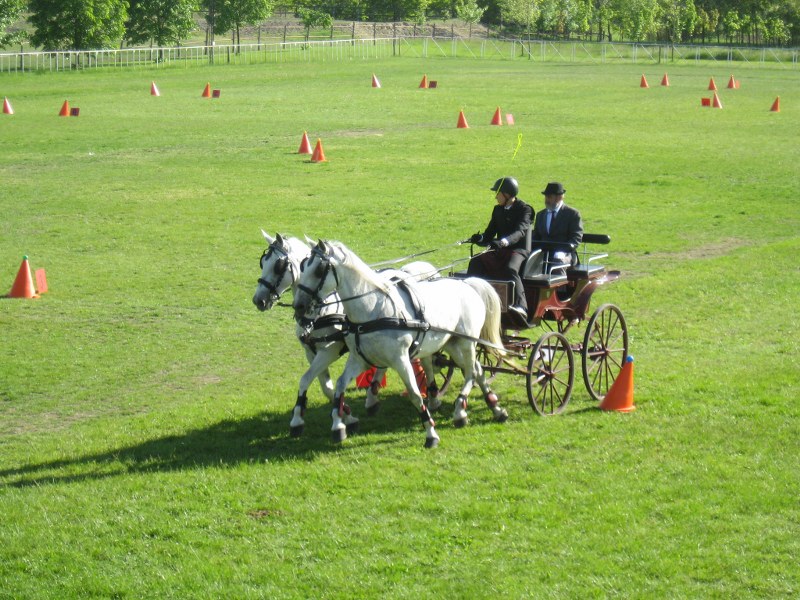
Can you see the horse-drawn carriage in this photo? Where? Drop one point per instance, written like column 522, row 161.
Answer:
column 558, row 296
column 445, row 322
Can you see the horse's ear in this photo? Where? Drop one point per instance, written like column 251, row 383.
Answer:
column 279, row 239
column 309, row 241
column 267, row 237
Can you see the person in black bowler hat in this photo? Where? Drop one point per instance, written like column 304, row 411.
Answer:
column 559, row 223
column 506, row 236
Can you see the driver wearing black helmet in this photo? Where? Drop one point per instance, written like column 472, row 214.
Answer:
column 506, row 235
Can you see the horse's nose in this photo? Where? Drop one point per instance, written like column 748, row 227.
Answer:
column 260, row 303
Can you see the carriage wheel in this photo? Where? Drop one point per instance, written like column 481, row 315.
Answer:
column 605, row 347
column 443, row 368
column 489, row 362
column 551, row 373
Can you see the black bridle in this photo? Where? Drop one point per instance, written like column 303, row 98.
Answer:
column 280, row 267
column 321, row 270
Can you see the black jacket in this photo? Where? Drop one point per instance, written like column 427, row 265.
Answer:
column 567, row 228
column 510, row 223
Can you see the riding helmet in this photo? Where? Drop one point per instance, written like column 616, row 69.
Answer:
column 507, row 185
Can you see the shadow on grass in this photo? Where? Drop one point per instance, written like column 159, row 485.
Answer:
column 263, row 437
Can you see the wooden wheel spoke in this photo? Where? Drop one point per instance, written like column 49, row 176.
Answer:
column 551, row 372
column 605, row 347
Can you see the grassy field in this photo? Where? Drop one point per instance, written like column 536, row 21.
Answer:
column 144, row 402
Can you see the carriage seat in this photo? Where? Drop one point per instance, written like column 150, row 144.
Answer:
column 537, row 270
column 586, row 267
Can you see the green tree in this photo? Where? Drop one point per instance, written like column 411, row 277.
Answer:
column 731, row 24
column 678, row 19
column 162, row 22
column 521, row 13
column 233, row 14
column 602, row 14
column 10, row 14
column 635, row 20
column 77, row 24
column 469, row 12
column 563, row 17
column 314, row 18
column 777, row 33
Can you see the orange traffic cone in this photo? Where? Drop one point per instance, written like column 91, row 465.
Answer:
column 424, row 82
column 305, row 145
column 712, row 85
column 154, row 89
column 207, row 91
column 715, row 103
column 375, row 82
column 23, row 284
column 776, row 106
column 643, row 82
column 497, row 119
column 364, row 380
column 665, row 80
column 462, row 121
column 319, row 153
column 7, row 110
column 620, row 395
column 64, row 112
column 731, row 83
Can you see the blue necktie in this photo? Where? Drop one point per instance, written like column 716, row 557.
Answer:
column 551, row 214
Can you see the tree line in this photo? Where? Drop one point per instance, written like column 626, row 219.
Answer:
column 96, row 24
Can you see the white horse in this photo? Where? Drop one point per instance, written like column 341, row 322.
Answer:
column 389, row 324
column 321, row 333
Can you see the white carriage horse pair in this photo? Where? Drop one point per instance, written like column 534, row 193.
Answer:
column 389, row 324
column 321, row 333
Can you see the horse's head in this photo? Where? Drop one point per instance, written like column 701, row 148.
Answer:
column 278, row 272
column 318, row 279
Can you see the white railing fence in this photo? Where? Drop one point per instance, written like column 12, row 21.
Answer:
column 414, row 46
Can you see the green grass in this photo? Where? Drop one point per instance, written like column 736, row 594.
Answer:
column 144, row 448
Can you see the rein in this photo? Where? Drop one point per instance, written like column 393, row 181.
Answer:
column 394, row 261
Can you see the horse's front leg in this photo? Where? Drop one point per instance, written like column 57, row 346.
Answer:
column 318, row 362
column 318, row 367
column 343, row 420
column 406, row 372
column 432, row 388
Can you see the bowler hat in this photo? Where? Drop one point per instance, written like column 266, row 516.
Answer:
column 554, row 189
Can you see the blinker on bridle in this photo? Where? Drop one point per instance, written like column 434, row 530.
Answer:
column 279, row 269
column 321, row 270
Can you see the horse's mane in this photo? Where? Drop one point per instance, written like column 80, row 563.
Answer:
column 349, row 260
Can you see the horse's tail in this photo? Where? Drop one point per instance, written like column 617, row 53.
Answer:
column 491, row 324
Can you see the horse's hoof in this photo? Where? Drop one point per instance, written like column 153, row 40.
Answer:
column 501, row 417
column 352, row 427
column 338, row 435
column 431, row 442
column 459, row 423
column 373, row 410
column 297, row 430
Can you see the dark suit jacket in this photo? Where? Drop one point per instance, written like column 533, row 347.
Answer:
column 512, row 223
column 567, row 228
